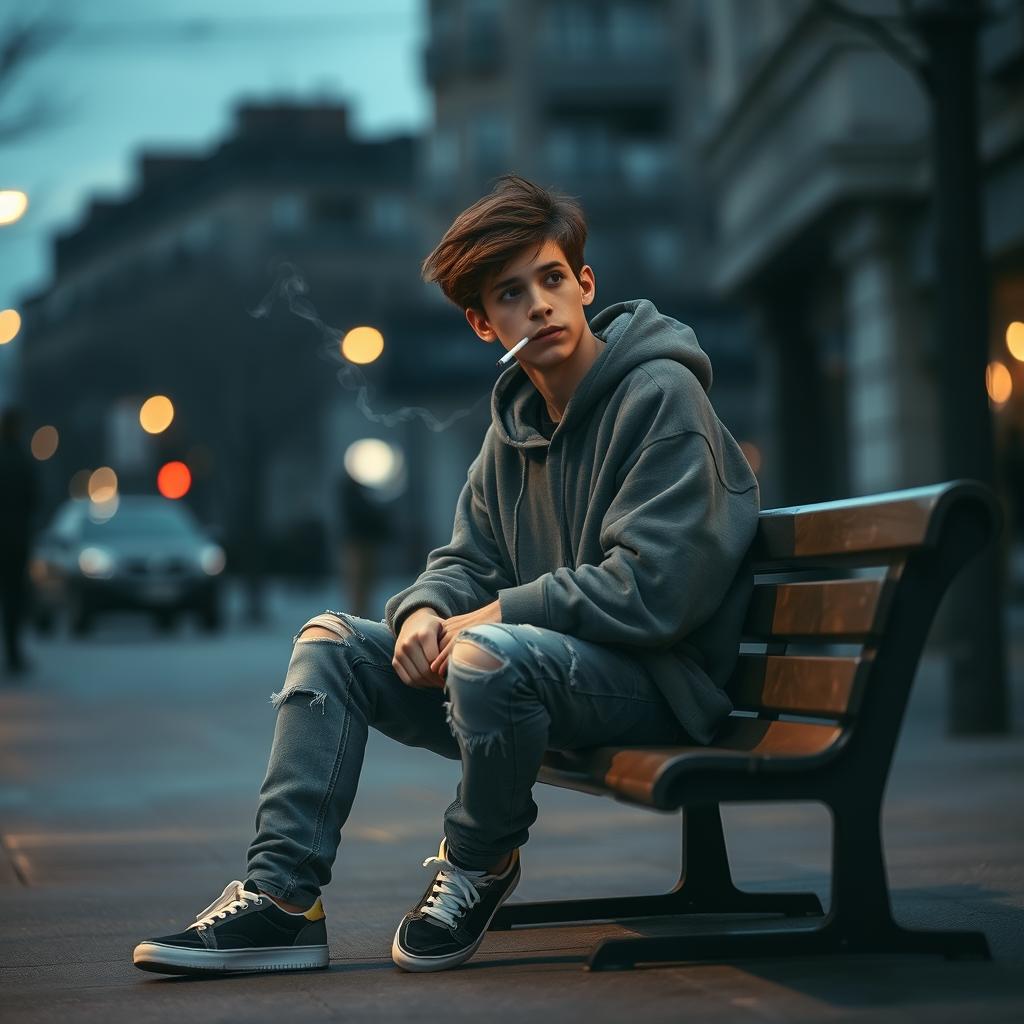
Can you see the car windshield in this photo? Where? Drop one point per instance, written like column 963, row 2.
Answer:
column 141, row 521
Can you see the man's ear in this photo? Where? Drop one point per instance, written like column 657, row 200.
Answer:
column 588, row 285
column 481, row 325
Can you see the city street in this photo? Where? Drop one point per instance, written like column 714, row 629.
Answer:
column 130, row 763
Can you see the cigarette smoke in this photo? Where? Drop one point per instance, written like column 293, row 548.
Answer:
column 292, row 286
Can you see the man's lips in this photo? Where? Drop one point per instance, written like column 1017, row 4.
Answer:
column 547, row 332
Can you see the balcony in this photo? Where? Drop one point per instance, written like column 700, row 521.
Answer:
column 605, row 77
column 480, row 51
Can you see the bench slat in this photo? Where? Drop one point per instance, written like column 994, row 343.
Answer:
column 837, row 610
column 868, row 530
column 640, row 774
column 798, row 684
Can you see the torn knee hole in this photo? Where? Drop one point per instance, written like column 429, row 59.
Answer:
column 318, row 631
column 469, row 652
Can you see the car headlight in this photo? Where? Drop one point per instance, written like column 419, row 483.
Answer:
column 212, row 559
column 96, row 563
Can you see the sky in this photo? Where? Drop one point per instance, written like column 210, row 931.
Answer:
column 127, row 76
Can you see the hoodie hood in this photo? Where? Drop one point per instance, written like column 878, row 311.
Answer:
column 634, row 332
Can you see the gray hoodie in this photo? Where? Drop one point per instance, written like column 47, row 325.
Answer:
column 629, row 528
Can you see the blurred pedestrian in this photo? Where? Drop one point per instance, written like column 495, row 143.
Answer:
column 365, row 524
column 18, row 497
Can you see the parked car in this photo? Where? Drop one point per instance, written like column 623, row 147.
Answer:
column 151, row 555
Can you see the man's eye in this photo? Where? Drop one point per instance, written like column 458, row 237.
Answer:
column 556, row 273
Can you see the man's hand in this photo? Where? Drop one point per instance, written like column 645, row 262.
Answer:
column 450, row 631
column 415, row 647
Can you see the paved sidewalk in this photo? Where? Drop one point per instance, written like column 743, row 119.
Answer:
column 129, row 768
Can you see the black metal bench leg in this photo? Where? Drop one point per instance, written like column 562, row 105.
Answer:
column 859, row 920
column 705, row 886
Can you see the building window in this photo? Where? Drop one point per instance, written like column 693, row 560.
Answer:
column 336, row 211
column 636, row 28
column 288, row 213
column 571, row 29
column 661, row 251
column 443, row 155
column 644, row 163
column 490, row 141
column 483, row 16
column 388, row 215
column 584, row 145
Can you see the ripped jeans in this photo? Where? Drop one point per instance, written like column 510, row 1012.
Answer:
column 550, row 691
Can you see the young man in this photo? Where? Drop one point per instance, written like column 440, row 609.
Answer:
column 592, row 593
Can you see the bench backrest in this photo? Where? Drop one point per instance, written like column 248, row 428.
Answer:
column 844, row 595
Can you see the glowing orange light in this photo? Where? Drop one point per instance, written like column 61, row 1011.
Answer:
column 10, row 324
column 156, row 414
column 174, row 480
column 753, row 454
column 1015, row 339
column 362, row 345
column 102, row 484
column 999, row 382
column 44, row 442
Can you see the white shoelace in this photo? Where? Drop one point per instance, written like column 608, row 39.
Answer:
column 453, row 893
column 230, row 901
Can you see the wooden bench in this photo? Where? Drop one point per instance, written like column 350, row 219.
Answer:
column 809, row 724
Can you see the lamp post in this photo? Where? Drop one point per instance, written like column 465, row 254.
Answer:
column 978, row 700
column 946, row 31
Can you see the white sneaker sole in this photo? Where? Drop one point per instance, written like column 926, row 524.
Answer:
column 408, row 962
column 155, row 956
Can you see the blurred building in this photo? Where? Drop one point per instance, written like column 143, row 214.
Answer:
column 817, row 141
column 153, row 294
column 589, row 97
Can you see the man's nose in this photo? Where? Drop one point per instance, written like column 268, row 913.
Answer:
column 539, row 305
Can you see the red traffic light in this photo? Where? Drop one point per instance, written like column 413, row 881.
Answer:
column 174, row 480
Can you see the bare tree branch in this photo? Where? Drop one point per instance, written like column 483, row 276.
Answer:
column 22, row 42
column 40, row 112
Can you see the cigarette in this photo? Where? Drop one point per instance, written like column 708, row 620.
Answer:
column 512, row 351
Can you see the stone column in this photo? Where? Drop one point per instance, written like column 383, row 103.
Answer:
column 893, row 424
column 798, row 467
column 724, row 71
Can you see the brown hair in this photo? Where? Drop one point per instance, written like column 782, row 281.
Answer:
column 485, row 236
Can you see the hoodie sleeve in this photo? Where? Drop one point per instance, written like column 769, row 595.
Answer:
column 462, row 575
column 673, row 539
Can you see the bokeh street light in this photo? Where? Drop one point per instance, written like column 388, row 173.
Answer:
column 10, row 324
column 362, row 345
column 102, row 485
column 44, row 442
column 999, row 382
column 13, row 204
column 156, row 414
column 753, row 455
column 377, row 465
column 1015, row 340
column 174, row 480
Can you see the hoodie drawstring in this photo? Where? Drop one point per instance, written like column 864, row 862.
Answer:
column 515, row 516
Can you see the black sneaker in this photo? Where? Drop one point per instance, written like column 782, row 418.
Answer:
column 242, row 930
column 453, row 916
